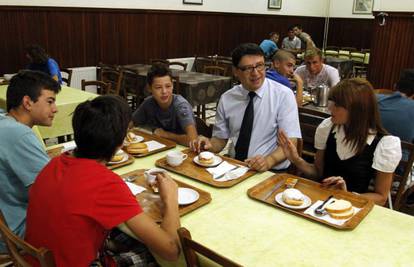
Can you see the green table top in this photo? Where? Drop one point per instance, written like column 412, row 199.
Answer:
column 66, row 101
column 254, row 234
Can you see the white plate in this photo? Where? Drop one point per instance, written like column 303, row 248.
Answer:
column 137, row 139
column 216, row 161
column 124, row 158
column 187, row 196
column 306, row 202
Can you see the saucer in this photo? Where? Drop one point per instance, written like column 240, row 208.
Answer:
column 306, row 202
column 216, row 161
column 124, row 158
column 137, row 139
column 187, row 196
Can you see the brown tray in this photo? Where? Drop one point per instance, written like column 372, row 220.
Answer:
column 148, row 137
column 315, row 192
column 189, row 169
column 152, row 209
column 114, row 166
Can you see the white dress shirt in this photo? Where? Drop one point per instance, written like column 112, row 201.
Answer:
column 387, row 154
column 274, row 108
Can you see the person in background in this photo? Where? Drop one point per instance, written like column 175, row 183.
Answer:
column 283, row 63
column 352, row 146
column 250, row 114
column 168, row 115
column 315, row 72
column 397, row 113
column 40, row 61
column 76, row 200
column 30, row 101
column 306, row 39
column 291, row 43
column 269, row 46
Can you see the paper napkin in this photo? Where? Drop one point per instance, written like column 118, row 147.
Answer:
column 224, row 172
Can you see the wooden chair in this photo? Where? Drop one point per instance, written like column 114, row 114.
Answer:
column 17, row 246
column 309, row 121
column 102, row 88
column 114, row 77
column 203, row 128
column 158, row 60
column 360, row 67
column 68, row 74
column 405, row 186
column 213, row 70
column 190, row 247
column 132, row 88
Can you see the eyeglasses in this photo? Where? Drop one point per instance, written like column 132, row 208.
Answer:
column 250, row 69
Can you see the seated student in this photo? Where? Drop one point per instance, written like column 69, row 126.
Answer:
column 30, row 101
column 167, row 114
column 40, row 61
column 315, row 72
column 397, row 110
column 291, row 43
column 76, row 200
column 251, row 113
column 283, row 64
column 305, row 38
column 352, row 147
column 269, row 46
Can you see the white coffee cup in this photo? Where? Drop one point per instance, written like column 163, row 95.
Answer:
column 175, row 158
column 151, row 174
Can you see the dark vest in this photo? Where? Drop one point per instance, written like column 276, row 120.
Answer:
column 356, row 171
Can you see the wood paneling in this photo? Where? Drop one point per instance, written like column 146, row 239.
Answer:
column 350, row 32
column 85, row 36
column 393, row 49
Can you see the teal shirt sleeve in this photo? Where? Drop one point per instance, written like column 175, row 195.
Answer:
column 28, row 159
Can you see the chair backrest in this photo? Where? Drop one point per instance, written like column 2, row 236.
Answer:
column 17, row 246
column 102, row 88
column 331, row 53
column 190, row 247
column 158, row 60
column 402, row 173
column 309, row 120
column 214, row 70
column 177, row 63
column 343, row 54
column 114, row 77
column 67, row 78
column 176, row 84
column 357, row 57
column 203, row 128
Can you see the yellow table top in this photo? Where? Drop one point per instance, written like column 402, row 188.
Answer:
column 66, row 101
column 254, row 234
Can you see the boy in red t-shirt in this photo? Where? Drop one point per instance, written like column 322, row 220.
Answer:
column 76, row 200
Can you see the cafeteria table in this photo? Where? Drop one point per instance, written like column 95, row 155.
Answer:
column 66, row 101
column 254, row 234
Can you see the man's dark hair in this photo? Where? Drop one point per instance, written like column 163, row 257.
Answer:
column 30, row 83
column 37, row 53
column 406, row 83
column 243, row 50
column 158, row 70
column 100, row 126
column 291, row 28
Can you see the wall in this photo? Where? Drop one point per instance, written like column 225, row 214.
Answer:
column 394, row 5
column 315, row 8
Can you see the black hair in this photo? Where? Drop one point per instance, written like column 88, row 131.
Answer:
column 100, row 126
column 158, row 70
column 37, row 54
column 291, row 28
column 30, row 83
column 243, row 50
column 406, row 82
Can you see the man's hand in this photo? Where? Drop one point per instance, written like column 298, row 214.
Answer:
column 258, row 163
column 201, row 143
column 159, row 132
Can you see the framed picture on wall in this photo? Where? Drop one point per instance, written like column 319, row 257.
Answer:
column 274, row 4
column 193, row 2
column 362, row 6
